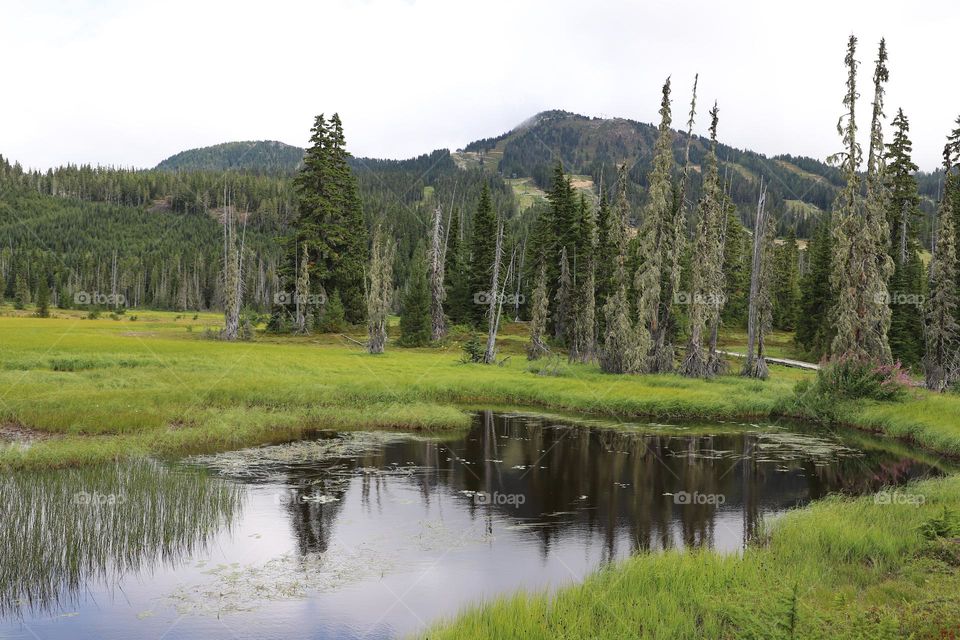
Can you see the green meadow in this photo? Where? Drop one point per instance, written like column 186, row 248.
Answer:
column 75, row 390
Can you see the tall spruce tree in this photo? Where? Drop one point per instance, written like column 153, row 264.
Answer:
column 537, row 348
column 903, row 215
column 415, row 313
column 620, row 349
column 706, row 291
column 656, row 238
column 482, row 247
column 817, row 295
column 330, row 219
column 786, row 287
column 942, row 357
column 457, row 273
column 583, row 334
column 605, row 256
column 861, row 265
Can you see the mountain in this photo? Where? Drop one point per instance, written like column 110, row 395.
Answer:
column 261, row 156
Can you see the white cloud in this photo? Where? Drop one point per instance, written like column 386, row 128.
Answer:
column 131, row 83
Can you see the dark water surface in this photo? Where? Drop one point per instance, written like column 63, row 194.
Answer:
column 377, row 535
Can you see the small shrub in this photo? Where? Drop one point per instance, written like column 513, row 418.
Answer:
column 114, row 316
column 473, row 350
column 852, row 379
column 944, row 525
column 133, row 318
column 93, row 314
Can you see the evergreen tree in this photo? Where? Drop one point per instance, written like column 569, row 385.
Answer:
column 583, row 334
column 620, row 349
column 706, row 265
column 903, row 214
column 942, row 357
column 459, row 299
column 537, row 347
column 333, row 316
column 43, row 298
column 656, row 238
column 483, row 244
column 415, row 319
column 817, row 296
column 862, row 265
column 786, row 287
column 21, row 292
column 736, row 269
column 606, row 255
column 330, row 218
column 563, row 321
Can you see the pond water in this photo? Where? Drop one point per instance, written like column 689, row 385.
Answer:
column 376, row 535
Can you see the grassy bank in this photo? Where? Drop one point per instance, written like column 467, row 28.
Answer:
column 841, row 568
column 98, row 389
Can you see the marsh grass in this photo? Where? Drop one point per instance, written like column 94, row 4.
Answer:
column 62, row 530
column 118, row 389
column 840, row 568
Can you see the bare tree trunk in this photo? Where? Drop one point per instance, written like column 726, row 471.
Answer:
column 493, row 313
column 751, row 366
column 231, row 276
column 438, row 323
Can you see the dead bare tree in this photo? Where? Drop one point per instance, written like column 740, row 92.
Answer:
column 496, row 302
column 758, row 317
column 438, row 323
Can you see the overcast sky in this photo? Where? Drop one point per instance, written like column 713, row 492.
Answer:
column 130, row 83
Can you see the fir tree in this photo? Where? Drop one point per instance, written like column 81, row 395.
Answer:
column 537, row 347
column 415, row 317
column 333, row 316
column 786, row 288
column 606, row 255
column 43, row 298
column 655, row 243
column 817, row 295
column 21, row 292
column 483, row 244
column 620, row 349
column 942, row 357
column 903, row 213
column 707, row 263
column 583, row 334
column 564, row 301
column 862, row 265
column 330, row 219
column 459, row 299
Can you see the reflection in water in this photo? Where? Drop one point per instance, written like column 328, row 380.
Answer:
column 65, row 531
column 373, row 535
column 657, row 491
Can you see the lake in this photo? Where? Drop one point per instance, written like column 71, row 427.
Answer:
column 376, row 535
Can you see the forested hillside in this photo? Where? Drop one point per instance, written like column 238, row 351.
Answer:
column 262, row 156
column 799, row 190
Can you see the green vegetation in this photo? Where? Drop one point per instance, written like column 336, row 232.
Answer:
column 105, row 389
column 840, row 568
